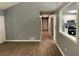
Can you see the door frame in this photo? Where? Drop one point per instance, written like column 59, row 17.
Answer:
column 54, row 26
column 41, row 24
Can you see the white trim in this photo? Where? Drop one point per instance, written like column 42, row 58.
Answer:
column 60, row 49
column 44, row 16
column 49, row 25
column 23, row 40
column 67, row 5
column 41, row 28
column 5, row 29
column 54, row 26
column 77, row 22
column 1, row 42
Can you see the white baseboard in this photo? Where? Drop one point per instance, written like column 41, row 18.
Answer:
column 23, row 40
column 60, row 49
column 2, row 42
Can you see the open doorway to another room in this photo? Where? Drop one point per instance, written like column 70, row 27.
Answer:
column 47, row 25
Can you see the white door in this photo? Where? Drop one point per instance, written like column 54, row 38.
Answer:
column 2, row 29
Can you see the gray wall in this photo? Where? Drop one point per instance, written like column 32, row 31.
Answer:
column 22, row 22
column 65, row 43
column 1, row 13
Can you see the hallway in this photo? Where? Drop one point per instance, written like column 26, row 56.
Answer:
column 46, row 35
column 46, row 47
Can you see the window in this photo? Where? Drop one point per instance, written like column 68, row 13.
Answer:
column 68, row 20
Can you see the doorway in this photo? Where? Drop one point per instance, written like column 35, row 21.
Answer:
column 45, row 23
column 46, row 27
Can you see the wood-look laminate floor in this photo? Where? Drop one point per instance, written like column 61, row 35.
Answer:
column 46, row 47
column 46, row 35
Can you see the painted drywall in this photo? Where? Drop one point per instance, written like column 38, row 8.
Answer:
column 23, row 20
column 68, row 47
column 5, row 5
column 1, row 13
column 2, row 27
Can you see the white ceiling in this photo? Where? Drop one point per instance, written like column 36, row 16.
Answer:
column 49, row 5
column 5, row 5
column 46, row 5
